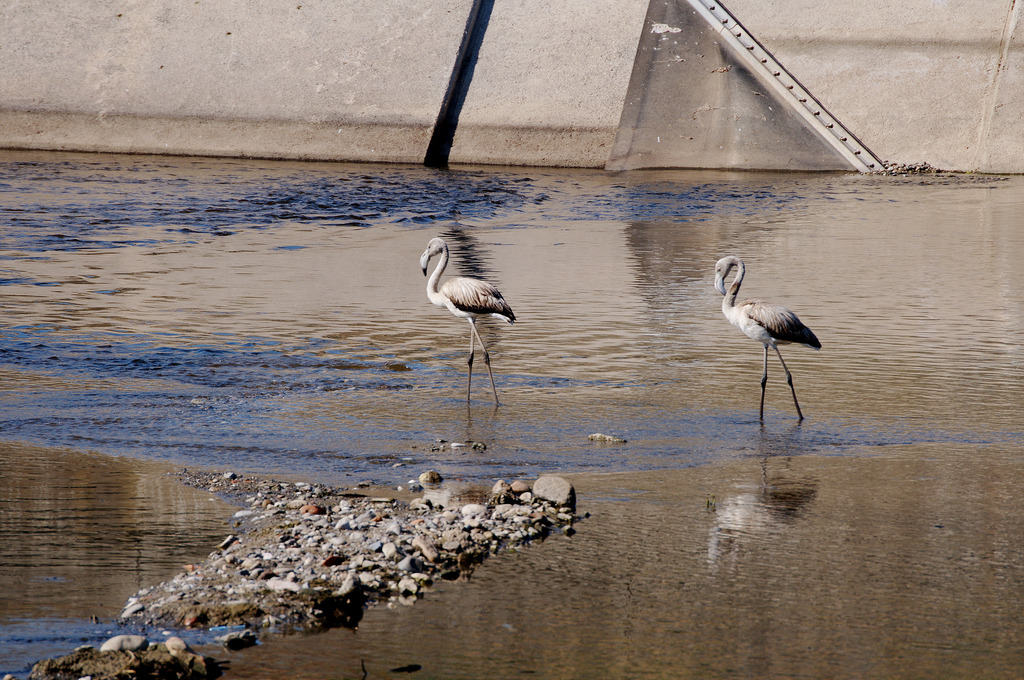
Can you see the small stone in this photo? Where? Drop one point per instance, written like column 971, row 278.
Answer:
column 426, row 548
column 175, row 646
column 556, row 490
column 410, row 563
column 228, row 542
column 312, row 509
column 474, row 510
column 598, row 437
column 239, row 639
column 408, row 585
column 131, row 609
column 125, row 643
column 279, row 585
column 501, row 492
column 389, row 549
column 430, row 477
column 347, row 586
column 520, row 487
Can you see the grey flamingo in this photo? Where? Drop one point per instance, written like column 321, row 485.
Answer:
column 771, row 325
column 466, row 298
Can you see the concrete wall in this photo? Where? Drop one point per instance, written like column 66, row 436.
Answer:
column 939, row 81
column 305, row 79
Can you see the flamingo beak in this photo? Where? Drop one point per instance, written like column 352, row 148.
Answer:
column 424, row 261
column 720, row 284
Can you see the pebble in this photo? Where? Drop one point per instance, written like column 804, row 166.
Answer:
column 131, row 609
column 279, row 585
column 474, row 510
column 426, row 548
column 555, row 490
column 125, row 643
column 598, row 437
column 175, row 645
column 240, row 639
column 431, row 477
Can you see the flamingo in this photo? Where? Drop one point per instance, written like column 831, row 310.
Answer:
column 468, row 299
column 771, row 325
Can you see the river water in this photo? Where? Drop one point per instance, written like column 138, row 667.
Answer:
column 271, row 317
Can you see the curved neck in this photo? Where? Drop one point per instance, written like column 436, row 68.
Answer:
column 435, row 277
column 734, row 288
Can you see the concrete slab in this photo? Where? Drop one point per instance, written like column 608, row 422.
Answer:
column 693, row 103
column 912, row 79
column 549, row 84
column 307, row 79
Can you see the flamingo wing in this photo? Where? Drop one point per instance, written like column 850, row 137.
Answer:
column 477, row 297
column 781, row 323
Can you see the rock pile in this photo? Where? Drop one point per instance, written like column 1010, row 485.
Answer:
column 130, row 656
column 920, row 168
column 311, row 556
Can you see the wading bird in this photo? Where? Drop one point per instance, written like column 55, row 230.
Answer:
column 466, row 298
column 769, row 324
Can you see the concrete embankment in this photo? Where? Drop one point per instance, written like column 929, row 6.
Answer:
column 620, row 82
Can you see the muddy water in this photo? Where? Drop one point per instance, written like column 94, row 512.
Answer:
column 79, row 534
column 271, row 317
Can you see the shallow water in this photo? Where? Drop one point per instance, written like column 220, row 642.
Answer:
column 272, row 317
column 80, row 533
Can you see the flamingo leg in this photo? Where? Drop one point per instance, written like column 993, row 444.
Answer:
column 789, row 379
column 469, row 382
column 487, row 361
column 764, row 379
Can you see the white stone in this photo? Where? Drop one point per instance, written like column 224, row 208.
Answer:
column 473, row 510
column 125, row 643
column 279, row 585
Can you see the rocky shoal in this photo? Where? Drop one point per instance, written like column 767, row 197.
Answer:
column 314, row 556
column 305, row 556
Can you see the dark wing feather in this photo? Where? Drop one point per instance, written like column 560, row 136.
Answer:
column 781, row 323
column 476, row 297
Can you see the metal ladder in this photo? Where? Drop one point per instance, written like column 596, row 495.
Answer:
column 789, row 89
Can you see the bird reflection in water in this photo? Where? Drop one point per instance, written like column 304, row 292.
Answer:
column 749, row 518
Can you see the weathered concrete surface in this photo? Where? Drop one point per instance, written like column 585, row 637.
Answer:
column 693, row 103
column 308, row 79
column 550, row 82
column 940, row 81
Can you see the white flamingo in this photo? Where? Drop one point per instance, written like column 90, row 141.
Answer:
column 771, row 325
column 466, row 298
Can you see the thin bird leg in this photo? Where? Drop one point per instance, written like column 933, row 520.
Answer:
column 789, row 379
column 764, row 379
column 469, row 382
column 487, row 362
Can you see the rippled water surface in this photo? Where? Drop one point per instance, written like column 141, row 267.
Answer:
column 272, row 317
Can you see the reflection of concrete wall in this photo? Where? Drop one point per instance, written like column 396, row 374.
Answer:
column 81, row 532
column 916, row 81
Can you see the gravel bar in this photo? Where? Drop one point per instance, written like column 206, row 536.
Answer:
column 309, row 556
